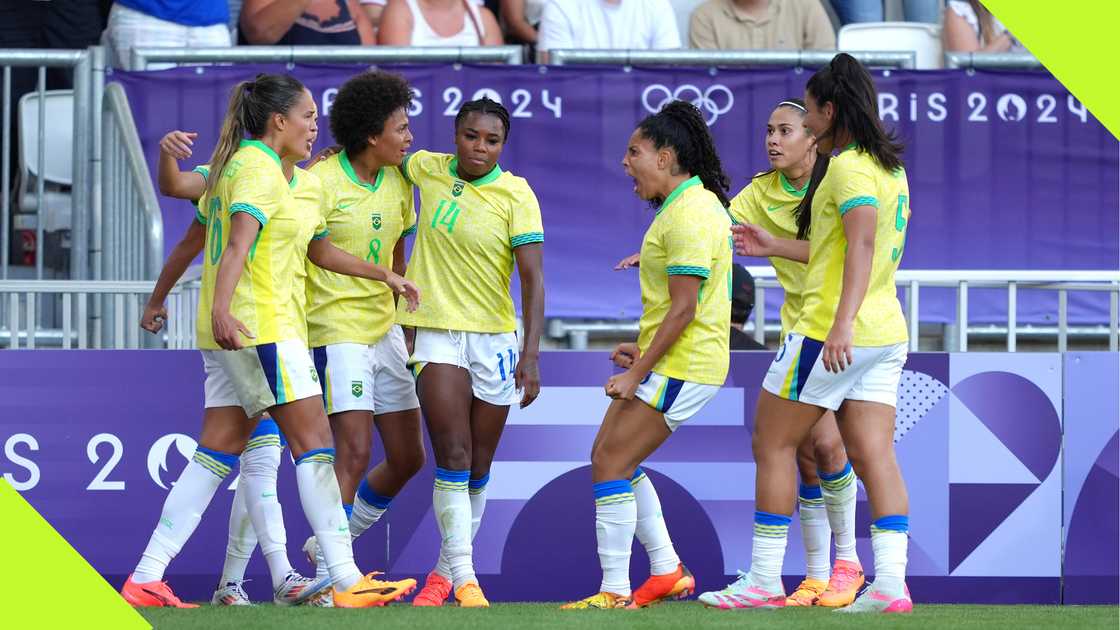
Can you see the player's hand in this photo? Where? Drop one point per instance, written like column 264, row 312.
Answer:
column 752, row 240
column 527, row 377
column 322, row 155
column 153, row 318
column 178, row 144
column 625, row 355
column 837, row 352
column 228, row 330
column 623, row 386
column 406, row 288
column 629, row 262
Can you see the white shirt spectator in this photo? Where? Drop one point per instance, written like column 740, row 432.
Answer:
column 620, row 24
column 965, row 10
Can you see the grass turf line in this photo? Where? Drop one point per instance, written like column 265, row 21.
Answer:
column 671, row 615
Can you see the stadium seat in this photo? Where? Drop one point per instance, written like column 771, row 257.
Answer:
column 683, row 10
column 924, row 39
column 58, row 163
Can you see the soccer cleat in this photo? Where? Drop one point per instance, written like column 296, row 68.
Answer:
column 151, row 594
column 847, row 578
column 230, row 594
column 323, row 600
column 807, row 592
column 875, row 601
column 436, row 590
column 311, row 549
column 297, row 589
column 369, row 592
column 470, row 595
column 676, row 585
column 599, row 601
column 742, row 594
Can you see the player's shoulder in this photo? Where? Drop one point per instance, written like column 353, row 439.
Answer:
column 424, row 161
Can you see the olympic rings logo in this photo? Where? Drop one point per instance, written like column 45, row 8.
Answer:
column 713, row 102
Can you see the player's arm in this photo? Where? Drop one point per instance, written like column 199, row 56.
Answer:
column 753, row 240
column 362, row 23
column 243, row 231
column 325, row 255
column 859, row 230
column 266, row 21
column 175, row 146
column 396, row 24
column 155, row 313
column 530, row 269
column 400, row 265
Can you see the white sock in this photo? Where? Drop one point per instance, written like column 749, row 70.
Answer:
column 839, row 490
column 242, row 539
column 768, row 550
column 816, row 533
column 258, row 474
column 616, row 521
column 322, row 504
column 476, row 488
column 651, row 529
column 369, row 507
column 182, row 511
column 890, row 539
column 452, row 504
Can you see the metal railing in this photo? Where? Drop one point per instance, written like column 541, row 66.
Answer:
column 1063, row 282
column 142, row 58
column 723, row 58
column 992, row 61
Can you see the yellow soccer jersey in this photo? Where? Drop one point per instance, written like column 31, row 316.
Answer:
column 769, row 201
column 365, row 220
column 690, row 235
column 855, row 179
column 268, row 297
column 465, row 239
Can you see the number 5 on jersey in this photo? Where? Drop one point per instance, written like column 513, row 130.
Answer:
column 901, row 219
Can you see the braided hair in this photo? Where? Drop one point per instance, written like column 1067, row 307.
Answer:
column 485, row 106
column 680, row 125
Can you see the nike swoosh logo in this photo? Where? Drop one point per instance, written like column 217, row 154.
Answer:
column 267, row 495
column 376, row 591
column 343, row 206
column 773, row 208
column 157, row 596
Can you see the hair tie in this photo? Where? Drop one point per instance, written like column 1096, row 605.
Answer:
column 792, row 104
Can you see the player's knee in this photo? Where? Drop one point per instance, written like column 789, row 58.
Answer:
column 828, row 450
column 352, row 457
column 405, row 465
column 454, row 457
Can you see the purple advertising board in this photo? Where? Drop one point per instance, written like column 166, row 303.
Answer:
column 1007, row 170
column 94, row 440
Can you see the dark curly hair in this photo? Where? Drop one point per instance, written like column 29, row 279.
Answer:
column 681, row 126
column 362, row 106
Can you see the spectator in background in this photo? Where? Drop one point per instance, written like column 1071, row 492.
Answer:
column 521, row 18
column 165, row 23
column 742, row 303
column 438, row 23
column 373, row 9
column 761, row 24
column 971, row 27
column 620, row 24
column 305, row 23
column 850, row 11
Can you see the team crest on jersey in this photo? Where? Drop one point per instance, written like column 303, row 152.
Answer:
column 375, row 219
column 457, row 188
column 356, row 388
column 314, row 376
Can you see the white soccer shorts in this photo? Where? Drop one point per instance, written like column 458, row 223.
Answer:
column 373, row 378
column 797, row 373
column 489, row 358
column 678, row 400
column 267, row 375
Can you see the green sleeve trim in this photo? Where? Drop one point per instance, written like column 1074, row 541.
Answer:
column 321, row 235
column 688, row 270
column 249, row 209
column 409, row 231
column 404, row 168
column 856, row 202
column 202, row 170
column 201, row 218
column 526, row 239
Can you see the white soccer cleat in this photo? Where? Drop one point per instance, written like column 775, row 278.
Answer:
column 311, row 550
column 231, row 594
column 297, row 589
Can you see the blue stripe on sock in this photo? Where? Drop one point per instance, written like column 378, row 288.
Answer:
column 809, row 492
column 608, row 488
column 348, row 508
column 834, row 476
column 225, row 458
column 318, row 451
column 893, row 522
column 638, row 472
column 480, row 483
column 766, row 518
column 457, row 476
column 267, row 426
column 366, row 493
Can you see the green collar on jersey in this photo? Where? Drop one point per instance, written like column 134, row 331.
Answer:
column 685, row 185
column 481, row 181
column 263, row 147
column 850, row 146
column 789, row 187
column 348, row 168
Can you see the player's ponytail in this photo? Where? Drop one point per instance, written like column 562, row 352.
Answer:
column 251, row 104
column 803, row 213
column 680, row 125
column 846, row 84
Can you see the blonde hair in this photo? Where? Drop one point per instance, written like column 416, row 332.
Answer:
column 986, row 21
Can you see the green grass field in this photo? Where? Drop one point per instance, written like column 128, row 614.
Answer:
column 674, row 615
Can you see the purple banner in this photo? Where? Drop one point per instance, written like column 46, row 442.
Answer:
column 979, row 438
column 1007, row 170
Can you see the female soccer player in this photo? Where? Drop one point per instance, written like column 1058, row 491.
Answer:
column 681, row 357
column 259, row 231
column 773, row 200
column 359, row 351
column 475, row 221
column 846, row 350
